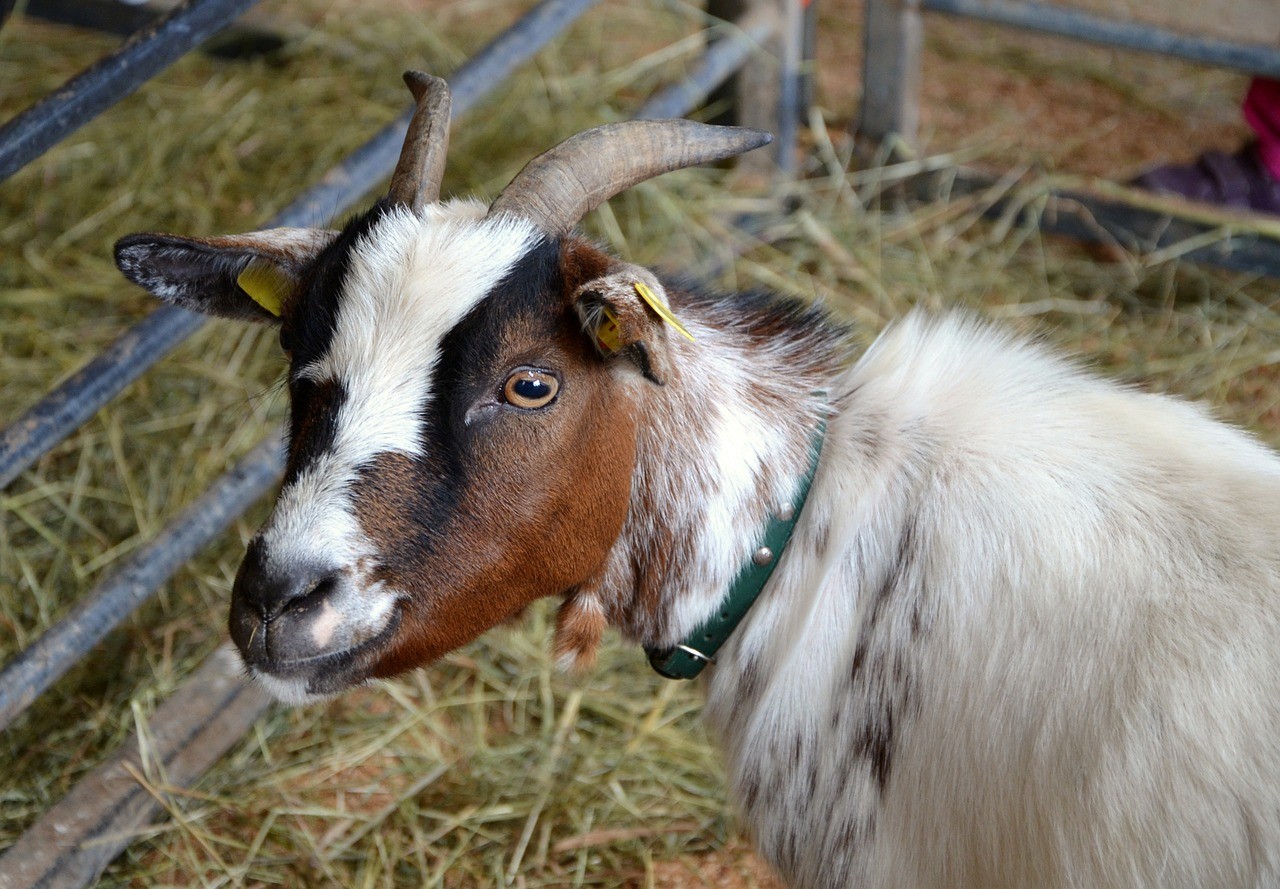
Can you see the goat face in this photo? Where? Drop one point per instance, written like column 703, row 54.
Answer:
column 461, row 438
column 458, row 447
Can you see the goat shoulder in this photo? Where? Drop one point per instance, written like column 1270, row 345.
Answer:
column 1026, row 635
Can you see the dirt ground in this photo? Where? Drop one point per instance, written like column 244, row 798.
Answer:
column 1024, row 99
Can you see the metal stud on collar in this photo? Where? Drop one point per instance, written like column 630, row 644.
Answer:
column 687, row 659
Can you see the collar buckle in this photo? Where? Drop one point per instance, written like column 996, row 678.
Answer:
column 679, row 662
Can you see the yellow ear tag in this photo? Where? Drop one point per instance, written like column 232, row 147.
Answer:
column 608, row 337
column 265, row 284
column 663, row 312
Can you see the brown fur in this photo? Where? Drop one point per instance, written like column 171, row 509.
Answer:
column 581, row 262
column 580, row 625
column 567, row 494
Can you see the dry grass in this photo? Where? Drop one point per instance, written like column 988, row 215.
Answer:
column 488, row 768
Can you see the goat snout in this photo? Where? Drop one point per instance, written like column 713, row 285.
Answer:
column 288, row 618
column 268, row 590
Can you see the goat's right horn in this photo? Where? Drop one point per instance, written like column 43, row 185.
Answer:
column 416, row 181
column 559, row 187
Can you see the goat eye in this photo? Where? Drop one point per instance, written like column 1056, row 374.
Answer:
column 286, row 340
column 530, row 389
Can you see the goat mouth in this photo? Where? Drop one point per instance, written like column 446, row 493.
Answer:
column 322, row 674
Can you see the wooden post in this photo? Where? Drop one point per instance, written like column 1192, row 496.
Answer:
column 808, row 56
column 766, row 94
column 891, row 71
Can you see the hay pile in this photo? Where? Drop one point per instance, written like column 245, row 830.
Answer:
column 488, row 768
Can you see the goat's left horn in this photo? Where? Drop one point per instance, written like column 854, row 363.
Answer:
column 559, row 187
column 416, row 181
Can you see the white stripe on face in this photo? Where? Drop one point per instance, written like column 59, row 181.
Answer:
column 411, row 279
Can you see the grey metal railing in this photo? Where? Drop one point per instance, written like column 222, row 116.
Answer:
column 73, row 841
column 890, row 116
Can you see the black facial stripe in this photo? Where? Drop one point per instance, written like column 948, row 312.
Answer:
column 309, row 326
column 313, row 422
column 530, row 295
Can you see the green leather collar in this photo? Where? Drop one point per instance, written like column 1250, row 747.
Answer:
column 686, row 659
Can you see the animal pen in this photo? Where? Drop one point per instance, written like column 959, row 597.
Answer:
column 760, row 51
column 73, row 841
column 890, row 111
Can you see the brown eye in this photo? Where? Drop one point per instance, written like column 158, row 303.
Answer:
column 530, row 389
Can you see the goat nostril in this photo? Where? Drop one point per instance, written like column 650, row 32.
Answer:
column 267, row 591
column 326, row 585
column 310, row 593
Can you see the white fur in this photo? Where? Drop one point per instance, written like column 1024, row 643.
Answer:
column 411, row 281
column 291, row 691
column 1080, row 646
column 742, row 440
column 715, row 449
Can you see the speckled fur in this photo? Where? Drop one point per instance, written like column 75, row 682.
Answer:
column 1026, row 634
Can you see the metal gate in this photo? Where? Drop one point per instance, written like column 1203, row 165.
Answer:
column 891, row 78
column 72, row 842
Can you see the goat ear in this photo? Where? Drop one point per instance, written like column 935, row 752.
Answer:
column 625, row 312
column 247, row 277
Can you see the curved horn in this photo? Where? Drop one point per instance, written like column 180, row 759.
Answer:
column 559, row 187
column 416, row 181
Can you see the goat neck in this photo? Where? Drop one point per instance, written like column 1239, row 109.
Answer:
column 722, row 446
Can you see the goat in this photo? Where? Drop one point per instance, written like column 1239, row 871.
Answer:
column 1026, row 630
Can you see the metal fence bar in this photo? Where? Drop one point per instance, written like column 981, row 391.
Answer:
column 111, row 78
column 78, row 398
column 1099, row 29
column 56, row 651
column 123, row 19
column 722, row 58
column 78, row 837
column 40, row 664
